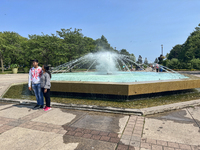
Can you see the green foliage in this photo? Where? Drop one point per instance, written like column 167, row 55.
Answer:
column 189, row 52
column 173, row 63
column 14, row 66
column 52, row 49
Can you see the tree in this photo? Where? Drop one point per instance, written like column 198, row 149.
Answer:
column 175, row 52
column 146, row 61
column 10, row 48
column 173, row 63
column 124, row 52
column 140, row 60
column 156, row 60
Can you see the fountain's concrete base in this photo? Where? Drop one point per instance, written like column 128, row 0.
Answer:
column 126, row 89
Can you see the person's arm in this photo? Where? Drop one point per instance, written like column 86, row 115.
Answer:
column 29, row 80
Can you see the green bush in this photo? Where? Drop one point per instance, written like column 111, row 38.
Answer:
column 14, row 66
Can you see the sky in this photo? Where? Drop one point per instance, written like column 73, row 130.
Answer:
column 139, row 26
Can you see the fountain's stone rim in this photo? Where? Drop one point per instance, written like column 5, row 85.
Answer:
column 126, row 89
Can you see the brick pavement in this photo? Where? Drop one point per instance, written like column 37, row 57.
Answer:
column 131, row 138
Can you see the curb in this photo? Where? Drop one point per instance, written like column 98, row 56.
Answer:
column 169, row 107
column 138, row 112
column 79, row 107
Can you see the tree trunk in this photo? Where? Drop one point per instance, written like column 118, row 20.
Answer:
column 2, row 65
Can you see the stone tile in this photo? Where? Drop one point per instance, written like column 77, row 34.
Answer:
column 23, row 139
column 114, row 140
column 139, row 135
column 143, row 140
column 124, row 141
column 55, row 130
column 122, row 147
column 195, row 147
column 114, row 135
column 135, row 138
column 71, row 129
column 146, row 145
column 172, row 144
column 105, row 138
column 128, row 130
column 46, row 129
column 135, row 143
column 71, row 133
column 55, row 116
column 126, row 137
column 103, row 133
column 37, row 128
column 127, row 133
column 95, row 137
column 163, row 143
column 133, row 148
column 87, row 131
column 87, row 135
column 95, row 132
column 152, row 141
column 79, row 130
column 156, row 147
column 16, row 112
column 78, row 134
column 184, row 146
column 62, row 132
column 168, row 148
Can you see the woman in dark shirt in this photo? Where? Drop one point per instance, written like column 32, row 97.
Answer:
column 46, row 85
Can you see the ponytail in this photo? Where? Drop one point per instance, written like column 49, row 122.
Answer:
column 47, row 70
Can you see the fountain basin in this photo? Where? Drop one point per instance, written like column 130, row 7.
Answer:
column 125, row 88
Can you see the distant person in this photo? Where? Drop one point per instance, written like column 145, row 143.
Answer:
column 34, row 80
column 157, row 67
column 124, row 68
column 46, row 85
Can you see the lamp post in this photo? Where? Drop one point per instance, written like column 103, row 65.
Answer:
column 162, row 49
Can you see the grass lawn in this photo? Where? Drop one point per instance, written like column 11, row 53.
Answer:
column 21, row 92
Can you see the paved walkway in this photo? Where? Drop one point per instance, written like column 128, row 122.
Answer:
column 21, row 127
column 7, row 79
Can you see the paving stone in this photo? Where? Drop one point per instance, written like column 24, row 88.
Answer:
column 194, row 147
column 135, row 138
column 87, row 136
column 78, row 134
column 95, row 137
column 143, row 140
column 174, row 145
column 137, row 132
column 87, row 131
column 103, row 133
column 62, row 132
column 71, row 129
column 152, row 141
column 55, row 130
column 114, row 140
column 139, row 135
column 184, row 146
column 126, row 137
column 168, row 148
column 71, row 133
column 156, row 147
column 135, row 143
column 127, row 133
column 163, row 143
column 146, row 145
column 133, row 148
column 114, row 135
column 105, row 138
column 128, row 130
column 79, row 130
column 124, row 141
column 95, row 132
column 37, row 128
column 46, row 129
column 122, row 147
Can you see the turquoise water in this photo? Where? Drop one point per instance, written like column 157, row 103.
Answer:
column 117, row 77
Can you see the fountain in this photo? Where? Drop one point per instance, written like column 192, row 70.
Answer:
column 110, row 73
